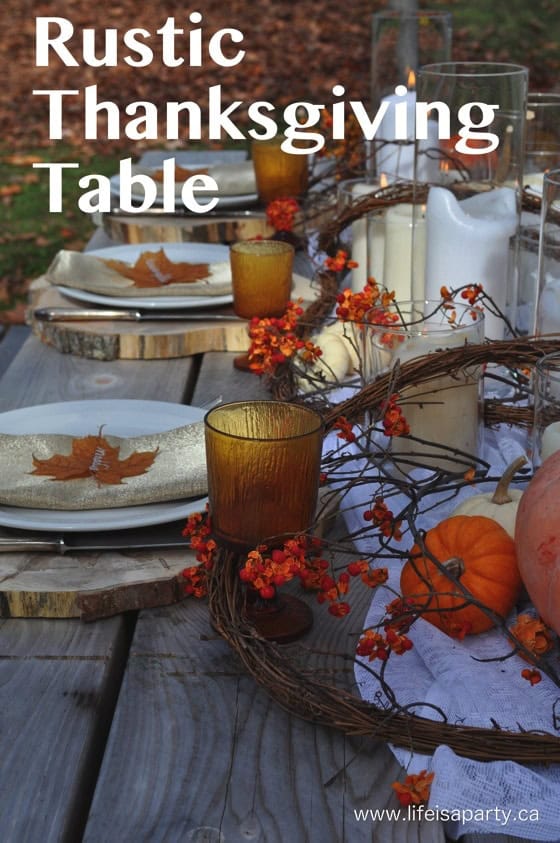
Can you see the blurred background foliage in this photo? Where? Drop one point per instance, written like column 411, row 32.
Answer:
column 295, row 51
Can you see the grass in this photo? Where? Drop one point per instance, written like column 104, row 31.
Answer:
column 31, row 235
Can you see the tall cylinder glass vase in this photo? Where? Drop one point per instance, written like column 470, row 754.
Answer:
column 474, row 203
column 401, row 42
column 548, row 271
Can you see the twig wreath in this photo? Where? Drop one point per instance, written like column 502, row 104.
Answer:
column 303, row 690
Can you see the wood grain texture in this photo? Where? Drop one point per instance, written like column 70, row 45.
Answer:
column 224, row 756
column 58, row 682
column 217, row 376
column 220, row 228
column 39, row 375
column 89, row 585
column 224, row 762
column 59, row 679
column 136, row 340
column 10, row 343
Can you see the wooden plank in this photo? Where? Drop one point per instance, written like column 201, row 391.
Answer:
column 58, row 685
column 218, row 377
column 59, row 679
column 78, row 584
column 195, row 744
column 150, row 340
column 10, row 344
column 40, row 375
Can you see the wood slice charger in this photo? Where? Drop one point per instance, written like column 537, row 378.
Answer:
column 90, row 585
column 150, row 340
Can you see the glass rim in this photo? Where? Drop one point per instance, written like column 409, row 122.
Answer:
column 418, row 326
column 543, row 98
column 435, row 14
column 473, row 69
column 543, row 362
column 551, row 177
column 299, row 408
column 248, row 247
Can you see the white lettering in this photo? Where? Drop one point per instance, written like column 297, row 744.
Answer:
column 219, row 119
column 144, row 127
column 140, row 181
column 168, row 32
column 55, row 110
column 55, row 184
column 199, row 183
column 109, row 58
column 269, row 125
column 92, row 108
column 95, row 201
column 215, row 47
column 146, row 53
column 44, row 42
column 368, row 127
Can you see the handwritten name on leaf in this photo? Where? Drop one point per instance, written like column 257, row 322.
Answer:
column 154, row 269
column 93, row 456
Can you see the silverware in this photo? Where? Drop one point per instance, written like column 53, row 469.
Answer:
column 140, row 538
column 71, row 314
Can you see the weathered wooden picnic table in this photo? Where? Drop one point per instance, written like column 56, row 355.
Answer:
column 144, row 726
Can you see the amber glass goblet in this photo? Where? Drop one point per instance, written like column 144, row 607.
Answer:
column 278, row 174
column 261, row 275
column 264, row 461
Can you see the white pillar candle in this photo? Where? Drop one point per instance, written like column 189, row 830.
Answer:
column 548, row 312
column 468, row 242
column 445, row 410
column 534, row 181
column 550, row 442
column 405, row 251
column 367, row 243
column 397, row 159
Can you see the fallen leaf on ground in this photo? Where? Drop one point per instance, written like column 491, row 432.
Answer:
column 22, row 160
column 10, row 189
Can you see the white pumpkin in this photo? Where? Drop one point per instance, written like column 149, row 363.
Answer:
column 501, row 504
column 339, row 357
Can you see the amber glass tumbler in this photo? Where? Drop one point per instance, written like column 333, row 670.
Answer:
column 277, row 173
column 264, row 462
column 261, row 275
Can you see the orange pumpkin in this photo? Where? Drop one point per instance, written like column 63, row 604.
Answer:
column 480, row 553
column 537, row 540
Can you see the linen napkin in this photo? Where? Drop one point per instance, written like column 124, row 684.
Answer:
column 234, row 179
column 100, row 471
column 88, row 272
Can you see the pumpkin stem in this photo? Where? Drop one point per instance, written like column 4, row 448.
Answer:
column 454, row 566
column 501, row 493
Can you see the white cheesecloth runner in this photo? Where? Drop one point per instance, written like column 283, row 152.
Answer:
column 498, row 797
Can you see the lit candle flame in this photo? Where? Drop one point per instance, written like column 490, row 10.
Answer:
column 411, row 80
column 383, row 180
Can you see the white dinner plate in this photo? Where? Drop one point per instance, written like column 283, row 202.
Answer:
column 177, row 252
column 121, row 417
column 241, row 200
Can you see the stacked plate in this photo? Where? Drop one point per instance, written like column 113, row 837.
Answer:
column 120, row 417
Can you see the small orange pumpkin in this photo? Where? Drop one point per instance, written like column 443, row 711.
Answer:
column 479, row 552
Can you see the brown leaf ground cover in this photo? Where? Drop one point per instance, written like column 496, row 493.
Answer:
column 295, row 50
